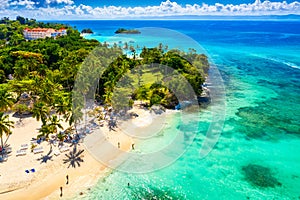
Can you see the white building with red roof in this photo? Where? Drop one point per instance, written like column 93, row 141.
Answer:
column 37, row 33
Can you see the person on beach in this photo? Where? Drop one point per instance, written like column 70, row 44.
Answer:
column 128, row 184
column 119, row 145
column 61, row 191
column 132, row 146
column 67, row 177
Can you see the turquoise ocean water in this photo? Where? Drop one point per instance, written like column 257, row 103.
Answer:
column 258, row 153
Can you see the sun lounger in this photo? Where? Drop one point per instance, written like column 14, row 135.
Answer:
column 24, row 146
column 38, row 150
column 33, row 143
column 87, row 131
column 94, row 125
column 6, row 150
column 3, row 159
column 39, row 141
column 56, row 153
column 21, row 153
column 64, row 148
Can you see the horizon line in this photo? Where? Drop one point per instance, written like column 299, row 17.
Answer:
column 288, row 17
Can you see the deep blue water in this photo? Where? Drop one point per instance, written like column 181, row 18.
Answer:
column 260, row 65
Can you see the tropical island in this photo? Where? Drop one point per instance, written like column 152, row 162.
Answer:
column 39, row 126
column 127, row 31
column 87, row 31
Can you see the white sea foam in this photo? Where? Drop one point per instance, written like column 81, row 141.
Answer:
column 287, row 63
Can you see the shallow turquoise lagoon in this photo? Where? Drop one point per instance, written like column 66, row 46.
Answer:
column 258, row 153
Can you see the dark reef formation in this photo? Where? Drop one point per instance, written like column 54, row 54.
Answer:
column 260, row 176
column 155, row 193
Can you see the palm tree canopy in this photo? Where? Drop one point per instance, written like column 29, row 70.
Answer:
column 40, row 111
column 5, row 126
column 6, row 100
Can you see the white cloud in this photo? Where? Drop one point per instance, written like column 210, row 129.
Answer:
column 4, row 4
column 27, row 3
column 166, row 8
column 169, row 8
column 69, row 2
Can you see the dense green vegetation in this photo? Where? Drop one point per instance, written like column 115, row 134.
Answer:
column 46, row 69
column 127, row 31
column 149, row 84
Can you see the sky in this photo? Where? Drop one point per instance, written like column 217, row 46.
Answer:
column 137, row 9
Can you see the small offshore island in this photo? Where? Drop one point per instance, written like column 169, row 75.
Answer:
column 127, row 31
column 41, row 132
column 87, row 31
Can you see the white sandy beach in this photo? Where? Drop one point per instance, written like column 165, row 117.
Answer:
column 48, row 177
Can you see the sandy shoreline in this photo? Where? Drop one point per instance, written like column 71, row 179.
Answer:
column 48, row 177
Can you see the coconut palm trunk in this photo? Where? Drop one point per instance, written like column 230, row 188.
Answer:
column 5, row 125
column 2, row 146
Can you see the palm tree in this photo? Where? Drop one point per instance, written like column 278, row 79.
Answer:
column 69, row 104
column 160, row 46
column 75, row 117
column 125, row 46
column 166, row 47
column 21, row 69
column 54, row 124
column 5, row 126
column 47, row 92
column 51, row 127
column 40, row 111
column 142, row 93
column 6, row 100
column 61, row 136
column 109, row 87
column 60, row 105
column 44, row 131
column 133, row 51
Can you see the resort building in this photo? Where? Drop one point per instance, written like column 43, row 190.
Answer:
column 37, row 33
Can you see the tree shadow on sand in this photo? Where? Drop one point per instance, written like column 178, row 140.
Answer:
column 74, row 158
column 5, row 152
column 46, row 157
